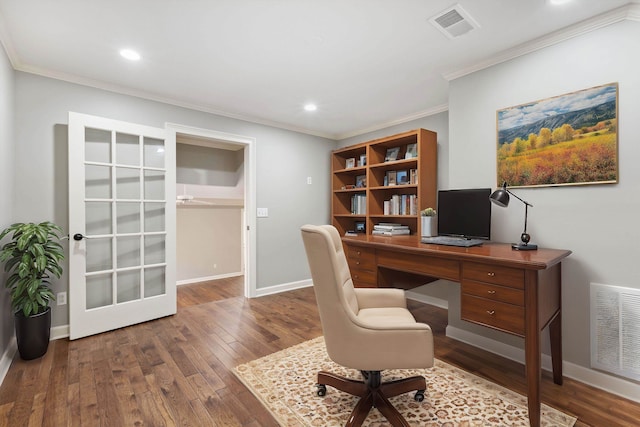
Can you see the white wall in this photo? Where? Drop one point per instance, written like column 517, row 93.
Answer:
column 284, row 161
column 599, row 223
column 6, row 189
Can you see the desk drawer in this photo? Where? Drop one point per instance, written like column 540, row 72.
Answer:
column 497, row 315
column 422, row 264
column 364, row 278
column 499, row 275
column 493, row 292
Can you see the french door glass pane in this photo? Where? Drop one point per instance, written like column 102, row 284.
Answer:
column 99, row 291
column 154, row 153
column 154, row 249
column 128, row 217
column 153, row 185
column 97, row 182
column 128, row 285
column 97, row 147
column 153, row 217
column 127, row 183
column 154, row 282
column 128, row 251
column 127, row 149
column 98, row 218
column 99, row 255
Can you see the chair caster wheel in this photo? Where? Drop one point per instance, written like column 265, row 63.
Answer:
column 322, row 389
column 419, row 396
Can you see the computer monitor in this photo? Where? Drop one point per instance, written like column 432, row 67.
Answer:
column 465, row 213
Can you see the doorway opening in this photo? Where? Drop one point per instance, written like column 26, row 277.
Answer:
column 223, row 198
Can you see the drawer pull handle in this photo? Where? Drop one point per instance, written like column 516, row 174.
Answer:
column 491, row 292
column 357, row 262
column 491, row 312
column 491, row 274
column 358, row 252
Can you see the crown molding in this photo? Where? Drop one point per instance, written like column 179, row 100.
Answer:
column 628, row 12
column 430, row 112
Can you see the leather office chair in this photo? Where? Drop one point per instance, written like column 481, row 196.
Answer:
column 365, row 329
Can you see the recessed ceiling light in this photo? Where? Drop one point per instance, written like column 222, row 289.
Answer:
column 310, row 107
column 130, row 54
column 558, row 2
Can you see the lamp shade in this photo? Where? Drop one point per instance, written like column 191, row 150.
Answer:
column 500, row 197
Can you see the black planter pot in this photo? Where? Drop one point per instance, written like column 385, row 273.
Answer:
column 32, row 334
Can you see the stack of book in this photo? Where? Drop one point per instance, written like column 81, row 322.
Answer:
column 390, row 229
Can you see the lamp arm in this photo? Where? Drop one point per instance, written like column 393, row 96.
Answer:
column 514, row 195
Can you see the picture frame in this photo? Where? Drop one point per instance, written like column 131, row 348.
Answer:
column 361, row 181
column 402, row 177
column 392, row 154
column 413, row 176
column 362, row 161
column 350, row 163
column 360, row 226
column 391, row 178
column 570, row 139
column 412, row 151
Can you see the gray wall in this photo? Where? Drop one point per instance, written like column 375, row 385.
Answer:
column 208, row 166
column 284, row 160
column 6, row 188
column 599, row 223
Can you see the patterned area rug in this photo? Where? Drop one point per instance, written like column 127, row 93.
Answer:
column 285, row 383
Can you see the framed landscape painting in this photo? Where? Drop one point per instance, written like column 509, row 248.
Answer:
column 570, row 139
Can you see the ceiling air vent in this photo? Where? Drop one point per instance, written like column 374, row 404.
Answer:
column 454, row 22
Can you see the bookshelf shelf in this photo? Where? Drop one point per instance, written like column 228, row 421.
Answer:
column 372, row 162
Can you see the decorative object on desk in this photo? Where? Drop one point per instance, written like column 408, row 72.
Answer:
column 360, row 226
column 284, row 383
column 350, row 163
column 31, row 256
column 363, row 160
column 392, row 154
column 391, row 177
column 402, row 177
column 570, row 139
column 429, row 225
column 501, row 198
column 361, row 181
column 412, row 151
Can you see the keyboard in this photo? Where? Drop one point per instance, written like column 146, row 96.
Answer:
column 452, row 241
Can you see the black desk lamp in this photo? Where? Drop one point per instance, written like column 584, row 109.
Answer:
column 501, row 198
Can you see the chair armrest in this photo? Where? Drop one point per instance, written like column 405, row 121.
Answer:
column 380, row 297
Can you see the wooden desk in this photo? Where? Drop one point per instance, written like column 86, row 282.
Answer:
column 518, row 292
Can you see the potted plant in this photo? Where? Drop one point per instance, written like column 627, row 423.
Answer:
column 31, row 257
column 429, row 226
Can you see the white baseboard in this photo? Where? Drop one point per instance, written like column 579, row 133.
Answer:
column 426, row 299
column 260, row 292
column 205, row 279
column 7, row 358
column 58, row 332
column 619, row 386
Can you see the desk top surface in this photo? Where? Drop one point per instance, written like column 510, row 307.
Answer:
column 496, row 253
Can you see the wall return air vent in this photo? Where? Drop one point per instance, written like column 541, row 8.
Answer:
column 615, row 330
column 454, row 22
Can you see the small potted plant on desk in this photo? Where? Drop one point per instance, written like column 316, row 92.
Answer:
column 31, row 257
column 429, row 226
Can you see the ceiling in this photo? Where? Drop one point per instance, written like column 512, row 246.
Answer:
column 366, row 64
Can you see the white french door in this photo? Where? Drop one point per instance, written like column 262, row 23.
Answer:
column 121, row 225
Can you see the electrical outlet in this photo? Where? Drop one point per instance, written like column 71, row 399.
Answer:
column 263, row 212
column 309, row 180
column 215, row 266
column 61, row 298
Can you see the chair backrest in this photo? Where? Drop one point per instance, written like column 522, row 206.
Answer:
column 335, row 295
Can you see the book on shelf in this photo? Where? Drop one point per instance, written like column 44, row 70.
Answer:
column 389, row 226
column 401, row 204
column 359, row 204
column 396, row 232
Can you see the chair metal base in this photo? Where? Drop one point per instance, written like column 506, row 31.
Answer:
column 373, row 394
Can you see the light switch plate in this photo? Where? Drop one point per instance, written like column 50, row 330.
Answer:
column 263, row 212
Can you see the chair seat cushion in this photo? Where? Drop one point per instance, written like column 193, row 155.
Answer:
column 386, row 317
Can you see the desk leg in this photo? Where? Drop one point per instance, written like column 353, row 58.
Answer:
column 533, row 363
column 555, row 332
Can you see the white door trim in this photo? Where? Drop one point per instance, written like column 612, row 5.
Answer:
column 249, row 144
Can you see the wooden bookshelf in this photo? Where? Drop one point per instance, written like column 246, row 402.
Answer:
column 378, row 172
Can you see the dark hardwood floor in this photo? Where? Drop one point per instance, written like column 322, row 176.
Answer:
column 177, row 370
